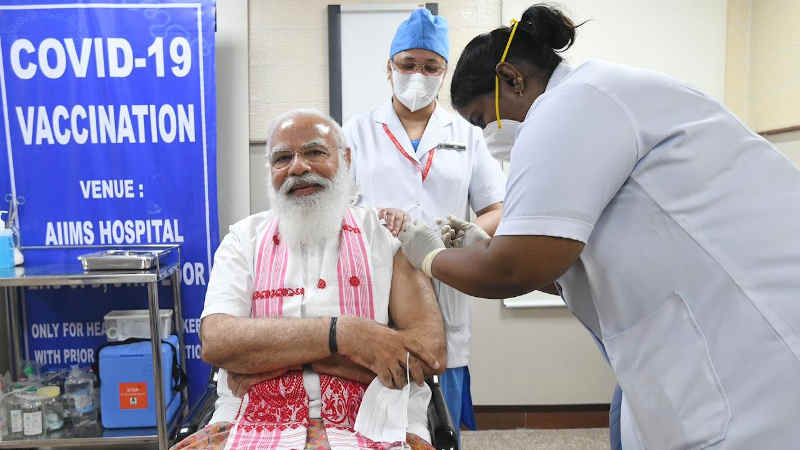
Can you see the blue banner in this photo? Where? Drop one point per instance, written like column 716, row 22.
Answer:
column 108, row 126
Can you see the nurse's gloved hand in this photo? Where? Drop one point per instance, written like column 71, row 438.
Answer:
column 467, row 233
column 447, row 232
column 419, row 240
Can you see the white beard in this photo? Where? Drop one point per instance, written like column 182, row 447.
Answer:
column 313, row 219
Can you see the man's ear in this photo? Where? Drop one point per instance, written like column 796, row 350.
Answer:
column 508, row 73
column 347, row 155
column 389, row 70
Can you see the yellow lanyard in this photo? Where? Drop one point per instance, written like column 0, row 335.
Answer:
column 514, row 24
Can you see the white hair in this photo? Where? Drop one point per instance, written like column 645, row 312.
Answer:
column 338, row 133
column 316, row 218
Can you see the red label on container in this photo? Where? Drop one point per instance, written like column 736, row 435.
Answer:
column 133, row 395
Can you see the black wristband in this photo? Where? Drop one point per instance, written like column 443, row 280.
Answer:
column 332, row 337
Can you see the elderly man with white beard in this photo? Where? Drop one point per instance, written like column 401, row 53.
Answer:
column 298, row 306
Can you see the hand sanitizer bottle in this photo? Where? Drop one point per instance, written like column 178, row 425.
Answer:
column 6, row 244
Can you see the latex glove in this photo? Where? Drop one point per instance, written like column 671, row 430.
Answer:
column 467, row 233
column 447, row 232
column 418, row 240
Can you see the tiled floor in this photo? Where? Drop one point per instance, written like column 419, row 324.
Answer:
column 572, row 439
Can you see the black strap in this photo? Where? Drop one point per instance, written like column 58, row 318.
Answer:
column 332, row 344
column 179, row 378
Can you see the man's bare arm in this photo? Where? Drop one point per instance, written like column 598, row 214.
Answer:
column 239, row 384
column 336, row 365
column 247, row 345
column 340, row 366
column 415, row 311
column 489, row 218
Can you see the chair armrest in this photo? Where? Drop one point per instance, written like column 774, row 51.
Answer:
column 443, row 435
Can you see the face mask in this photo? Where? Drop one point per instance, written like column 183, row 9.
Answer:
column 499, row 141
column 383, row 414
column 415, row 90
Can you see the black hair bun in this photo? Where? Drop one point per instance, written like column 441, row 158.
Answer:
column 549, row 26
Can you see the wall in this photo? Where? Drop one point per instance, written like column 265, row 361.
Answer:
column 763, row 56
column 763, row 62
column 682, row 38
column 788, row 144
column 737, row 58
column 540, row 356
column 233, row 185
column 774, row 64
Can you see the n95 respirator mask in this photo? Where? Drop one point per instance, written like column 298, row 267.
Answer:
column 415, row 90
column 499, row 141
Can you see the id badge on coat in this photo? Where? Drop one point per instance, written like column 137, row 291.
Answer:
column 457, row 146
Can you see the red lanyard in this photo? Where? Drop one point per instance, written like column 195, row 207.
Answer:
column 428, row 164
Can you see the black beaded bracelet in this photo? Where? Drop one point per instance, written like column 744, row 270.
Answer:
column 332, row 337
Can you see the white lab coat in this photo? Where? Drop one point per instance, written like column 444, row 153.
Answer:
column 691, row 270
column 456, row 181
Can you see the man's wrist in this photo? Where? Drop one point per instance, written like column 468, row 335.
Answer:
column 344, row 328
column 427, row 262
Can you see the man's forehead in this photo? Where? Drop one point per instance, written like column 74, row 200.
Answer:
column 281, row 146
column 303, row 129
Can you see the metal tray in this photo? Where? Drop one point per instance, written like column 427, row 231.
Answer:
column 121, row 259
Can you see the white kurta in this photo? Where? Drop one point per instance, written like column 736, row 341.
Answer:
column 456, row 181
column 691, row 271
column 230, row 291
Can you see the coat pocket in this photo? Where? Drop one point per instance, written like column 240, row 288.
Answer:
column 665, row 370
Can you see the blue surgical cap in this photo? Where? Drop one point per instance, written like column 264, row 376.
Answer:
column 422, row 30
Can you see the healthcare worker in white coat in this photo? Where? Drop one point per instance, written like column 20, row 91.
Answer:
column 670, row 228
column 412, row 154
column 499, row 146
